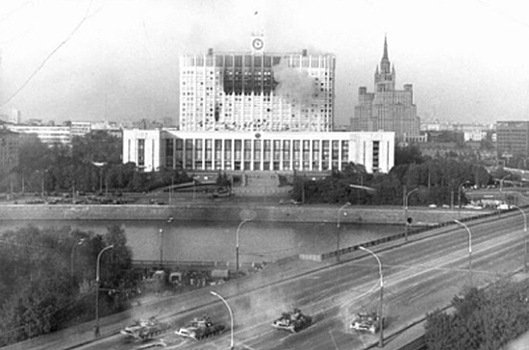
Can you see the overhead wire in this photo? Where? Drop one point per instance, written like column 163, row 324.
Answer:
column 12, row 12
column 50, row 55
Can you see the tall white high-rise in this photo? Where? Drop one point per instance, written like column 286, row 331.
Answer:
column 257, row 91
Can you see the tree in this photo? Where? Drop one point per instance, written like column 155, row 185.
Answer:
column 483, row 319
column 408, row 155
column 97, row 146
column 37, row 292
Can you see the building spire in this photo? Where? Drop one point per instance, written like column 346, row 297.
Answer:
column 385, row 57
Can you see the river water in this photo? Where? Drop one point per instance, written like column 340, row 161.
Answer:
column 216, row 241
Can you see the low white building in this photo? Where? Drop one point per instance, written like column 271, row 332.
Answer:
column 258, row 151
column 48, row 134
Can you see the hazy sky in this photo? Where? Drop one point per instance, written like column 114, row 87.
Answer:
column 468, row 60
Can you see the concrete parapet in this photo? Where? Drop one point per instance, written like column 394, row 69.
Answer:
column 229, row 212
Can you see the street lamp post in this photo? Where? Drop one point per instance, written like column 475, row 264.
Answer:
column 381, row 306
column 338, row 230
column 501, row 181
column 231, row 314
column 79, row 242
column 42, row 174
column 525, row 237
column 459, row 196
column 469, row 248
column 96, row 328
column 101, row 180
column 171, row 191
column 406, row 212
column 161, row 247
column 169, row 220
column 237, row 246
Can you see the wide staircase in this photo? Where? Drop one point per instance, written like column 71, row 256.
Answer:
column 261, row 183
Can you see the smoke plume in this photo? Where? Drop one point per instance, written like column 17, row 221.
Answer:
column 295, row 85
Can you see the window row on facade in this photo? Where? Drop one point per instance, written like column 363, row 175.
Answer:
column 249, row 60
column 241, row 154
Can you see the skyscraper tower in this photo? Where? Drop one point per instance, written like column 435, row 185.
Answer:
column 385, row 79
column 257, row 91
column 387, row 109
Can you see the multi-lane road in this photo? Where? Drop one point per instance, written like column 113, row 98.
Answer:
column 420, row 276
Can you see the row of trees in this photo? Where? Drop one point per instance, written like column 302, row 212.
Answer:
column 483, row 319
column 47, row 279
column 438, row 180
column 91, row 164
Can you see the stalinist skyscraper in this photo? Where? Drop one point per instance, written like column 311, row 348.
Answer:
column 387, row 109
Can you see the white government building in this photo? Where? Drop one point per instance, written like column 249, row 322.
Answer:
column 257, row 111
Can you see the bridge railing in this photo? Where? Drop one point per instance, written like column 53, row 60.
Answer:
column 411, row 232
column 198, row 264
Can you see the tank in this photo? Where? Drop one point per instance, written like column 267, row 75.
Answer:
column 145, row 328
column 366, row 322
column 200, row 328
column 293, row 321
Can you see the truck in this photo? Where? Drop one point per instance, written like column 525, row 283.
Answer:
column 292, row 321
column 145, row 328
column 200, row 328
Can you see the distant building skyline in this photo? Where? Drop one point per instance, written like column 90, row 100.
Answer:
column 257, row 111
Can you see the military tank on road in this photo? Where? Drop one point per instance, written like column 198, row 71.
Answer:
column 145, row 328
column 366, row 322
column 293, row 321
column 200, row 328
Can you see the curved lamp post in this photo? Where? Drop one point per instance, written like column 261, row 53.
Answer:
column 338, row 230
column 469, row 248
column 229, row 310
column 380, row 313
column 237, row 245
column 525, row 237
column 501, row 181
column 406, row 212
column 96, row 328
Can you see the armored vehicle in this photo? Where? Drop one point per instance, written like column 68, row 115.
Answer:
column 293, row 321
column 145, row 328
column 366, row 322
column 200, row 328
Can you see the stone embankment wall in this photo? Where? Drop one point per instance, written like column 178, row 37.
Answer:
column 224, row 212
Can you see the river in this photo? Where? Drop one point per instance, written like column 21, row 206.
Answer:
column 215, row 241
